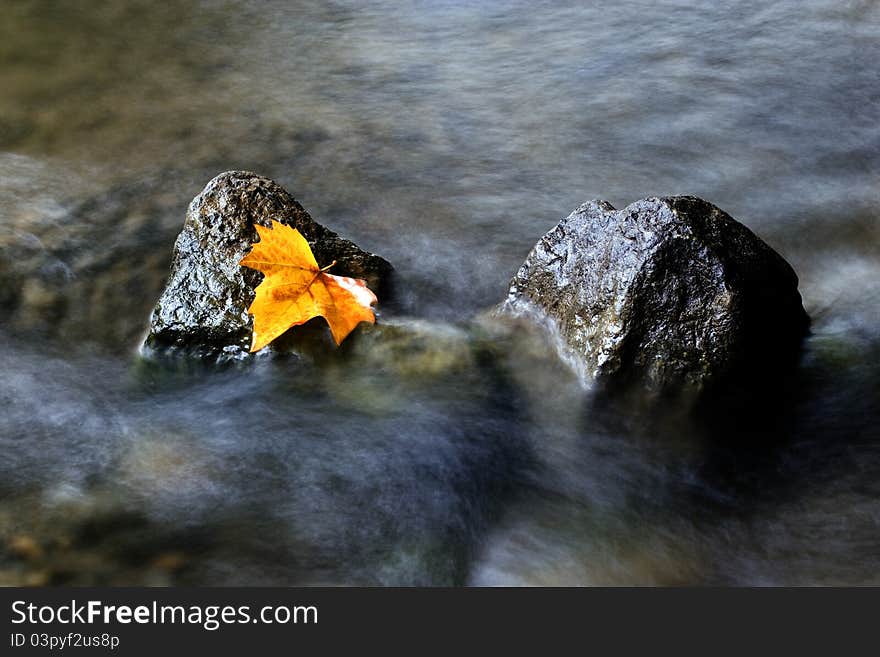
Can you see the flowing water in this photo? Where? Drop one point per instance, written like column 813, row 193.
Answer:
column 448, row 137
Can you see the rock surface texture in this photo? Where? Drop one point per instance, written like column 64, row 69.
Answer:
column 666, row 291
column 203, row 309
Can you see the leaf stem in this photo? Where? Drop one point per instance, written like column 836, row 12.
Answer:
column 328, row 266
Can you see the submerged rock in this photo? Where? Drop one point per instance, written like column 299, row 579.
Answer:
column 666, row 291
column 82, row 261
column 414, row 349
column 203, row 308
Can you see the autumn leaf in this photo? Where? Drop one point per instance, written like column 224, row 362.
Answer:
column 295, row 289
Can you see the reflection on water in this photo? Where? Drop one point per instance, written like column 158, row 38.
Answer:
column 447, row 137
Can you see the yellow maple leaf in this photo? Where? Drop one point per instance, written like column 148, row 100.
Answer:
column 295, row 289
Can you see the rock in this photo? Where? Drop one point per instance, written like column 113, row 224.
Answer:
column 203, row 308
column 666, row 291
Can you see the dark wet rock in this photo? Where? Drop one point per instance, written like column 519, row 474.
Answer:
column 666, row 291
column 203, row 308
